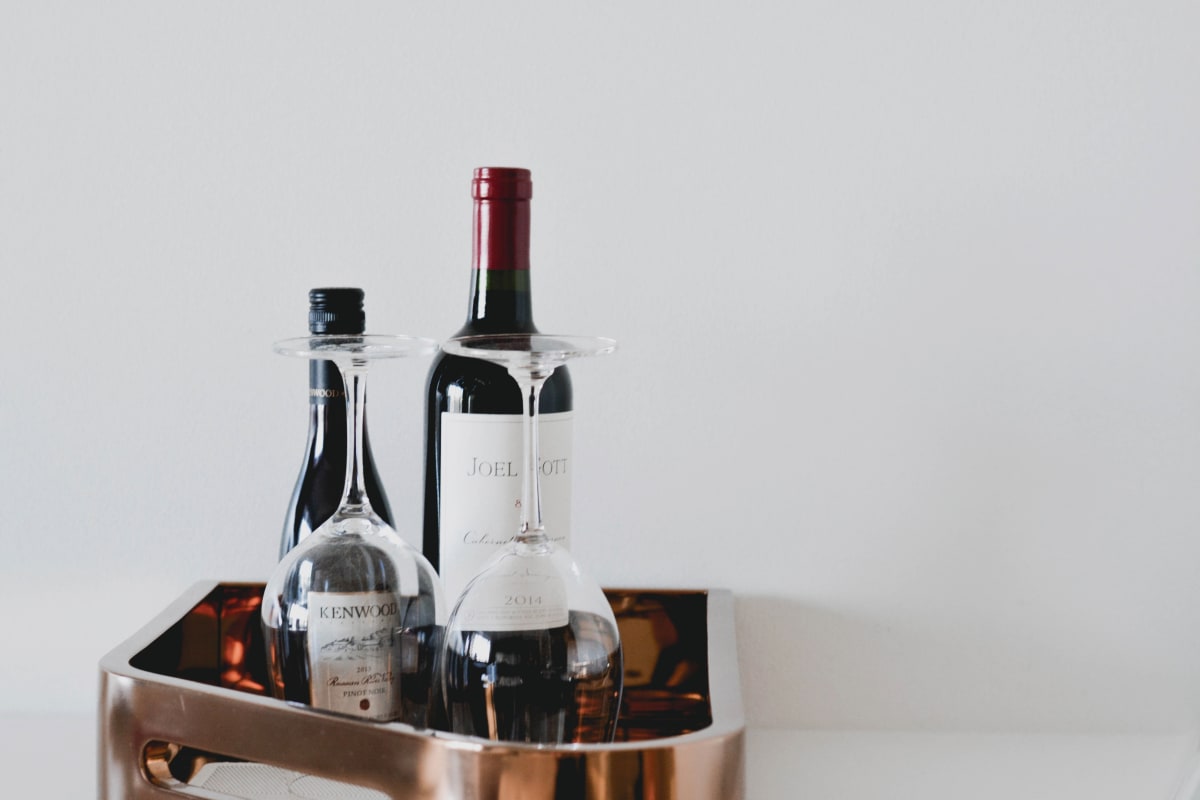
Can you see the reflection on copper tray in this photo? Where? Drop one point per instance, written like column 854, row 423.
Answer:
column 187, row 695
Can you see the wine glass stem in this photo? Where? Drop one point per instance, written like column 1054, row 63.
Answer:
column 354, row 494
column 531, row 502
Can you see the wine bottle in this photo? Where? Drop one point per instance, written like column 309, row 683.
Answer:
column 323, row 472
column 473, row 425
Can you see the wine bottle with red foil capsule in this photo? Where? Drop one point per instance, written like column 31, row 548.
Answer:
column 323, row 472
column 531, row 652
column 473, row 433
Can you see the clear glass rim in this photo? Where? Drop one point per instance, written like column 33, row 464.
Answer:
column 522, row 347
column 355, row 346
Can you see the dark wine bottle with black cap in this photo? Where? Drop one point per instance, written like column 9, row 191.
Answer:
column 323, row 472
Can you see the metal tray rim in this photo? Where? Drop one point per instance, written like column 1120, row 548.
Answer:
column 724, row 690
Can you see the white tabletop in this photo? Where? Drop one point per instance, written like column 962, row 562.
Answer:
column 868, row 765
column 52, row 757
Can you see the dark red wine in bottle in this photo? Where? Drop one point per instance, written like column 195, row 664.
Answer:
column 550, row 686
column 323, row 473
column 473, row 427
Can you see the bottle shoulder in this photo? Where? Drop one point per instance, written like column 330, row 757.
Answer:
column 472, row 385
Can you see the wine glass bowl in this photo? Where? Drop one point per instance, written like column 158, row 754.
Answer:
column 531, row 651
column 354, row 565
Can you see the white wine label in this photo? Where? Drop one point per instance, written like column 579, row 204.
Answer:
column 353, row 648
column 523, row 598
column 482, row 458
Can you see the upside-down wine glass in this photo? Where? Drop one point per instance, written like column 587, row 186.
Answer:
column 352, row 615
column 531, row 651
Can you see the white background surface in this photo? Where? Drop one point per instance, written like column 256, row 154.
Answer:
column 906, row 296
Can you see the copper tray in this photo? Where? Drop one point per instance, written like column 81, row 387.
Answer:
column 183, row 713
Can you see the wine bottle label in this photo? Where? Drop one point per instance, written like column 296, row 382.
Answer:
column 524, row 598
column 482, row 457
column 325, row 384
column 354, row 651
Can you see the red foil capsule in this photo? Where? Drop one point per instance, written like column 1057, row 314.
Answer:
column 501, row 230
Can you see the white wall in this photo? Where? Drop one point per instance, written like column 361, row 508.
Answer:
column 907, row 297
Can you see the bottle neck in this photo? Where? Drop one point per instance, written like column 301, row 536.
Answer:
column 500, row 296
column 500, row 302
column 501, row 234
